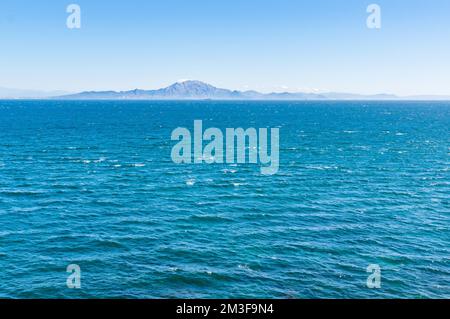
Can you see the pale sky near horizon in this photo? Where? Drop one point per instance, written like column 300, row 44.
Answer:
column 265, row 45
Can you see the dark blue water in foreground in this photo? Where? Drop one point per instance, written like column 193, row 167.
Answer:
column 93, row 184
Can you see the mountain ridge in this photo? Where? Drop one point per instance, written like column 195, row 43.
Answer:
column 197, row 90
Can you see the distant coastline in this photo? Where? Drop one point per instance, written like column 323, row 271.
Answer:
column 197, row 90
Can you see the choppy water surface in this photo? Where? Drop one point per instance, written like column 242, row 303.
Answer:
column 93, row 184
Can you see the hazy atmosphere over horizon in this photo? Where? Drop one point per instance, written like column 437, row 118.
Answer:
column 286, row 45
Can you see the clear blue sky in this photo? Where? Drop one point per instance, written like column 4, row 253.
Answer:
column 267, row 45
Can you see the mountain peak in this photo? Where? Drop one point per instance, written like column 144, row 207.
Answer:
column 191, row 83
column 191, row 89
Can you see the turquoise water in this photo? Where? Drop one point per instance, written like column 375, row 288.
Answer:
column 93, row 184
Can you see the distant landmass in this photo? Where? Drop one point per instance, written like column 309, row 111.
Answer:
column 197, row 90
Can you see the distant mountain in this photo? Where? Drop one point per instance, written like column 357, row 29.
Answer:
column 6, row 93
column 196, row 90
column 181, row 90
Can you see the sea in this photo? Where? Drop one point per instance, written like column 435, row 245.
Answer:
column 361, row 186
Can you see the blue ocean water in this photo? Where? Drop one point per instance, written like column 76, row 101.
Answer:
column 93, row 184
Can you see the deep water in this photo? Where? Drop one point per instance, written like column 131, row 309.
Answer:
column 93, row 184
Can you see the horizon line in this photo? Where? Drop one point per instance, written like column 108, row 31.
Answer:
column 27, row 94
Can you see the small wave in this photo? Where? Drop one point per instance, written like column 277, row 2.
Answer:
column 229, row 171
column 190, row 182
column 103, row 243
column 244, row 267
column 209, row 218
column 189, row 278
column 19, row 193
column 321, row 167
